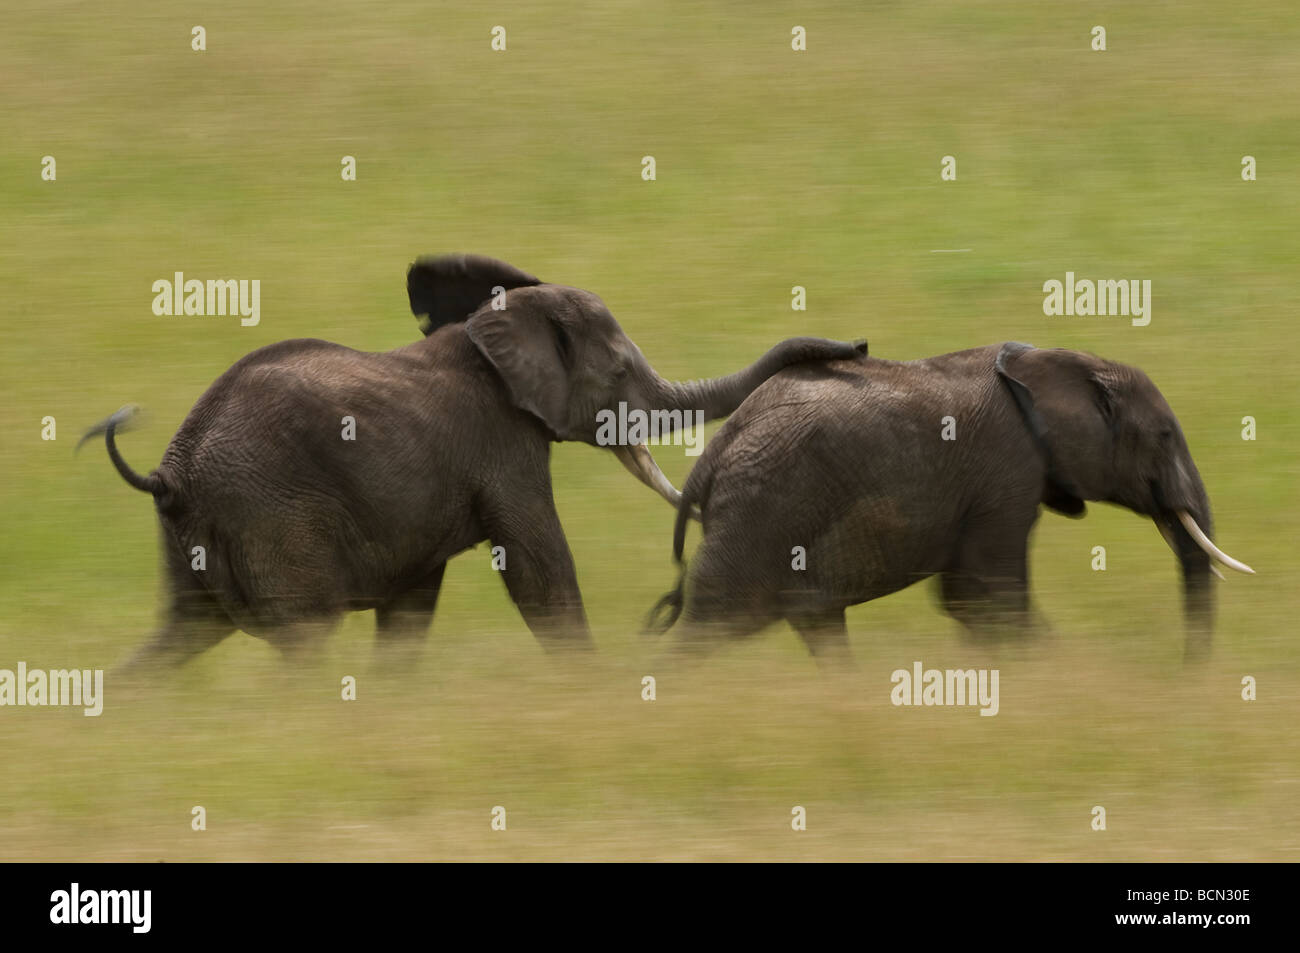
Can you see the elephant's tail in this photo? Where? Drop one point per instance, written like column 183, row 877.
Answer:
column 668, row 609
column 121, row 420
column 684, row 508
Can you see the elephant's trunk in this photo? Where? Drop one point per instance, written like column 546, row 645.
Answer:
column 1187, row 530
column 1198, row 595
column 719, row 396
column 678, row 402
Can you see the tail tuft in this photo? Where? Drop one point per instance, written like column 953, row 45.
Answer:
column 122, row 421
column 670, row 602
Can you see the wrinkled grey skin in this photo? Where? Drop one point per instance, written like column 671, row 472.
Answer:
column 452, row 447
column 847, row 461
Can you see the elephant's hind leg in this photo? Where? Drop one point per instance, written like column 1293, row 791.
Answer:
column 827, row 637
column 300, row 642
column 179, row 639
column 193, row 621
column 722, row 603
column 702, row 631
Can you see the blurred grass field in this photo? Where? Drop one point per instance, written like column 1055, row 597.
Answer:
column 774, row 169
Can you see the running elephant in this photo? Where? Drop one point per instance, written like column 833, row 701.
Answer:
column 318, row 479
column 840, row 483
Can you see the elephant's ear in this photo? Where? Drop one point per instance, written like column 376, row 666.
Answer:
column 531, row 350
column 1065, row 401
column 449, row 288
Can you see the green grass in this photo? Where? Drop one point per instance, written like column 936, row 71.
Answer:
column 775, row 169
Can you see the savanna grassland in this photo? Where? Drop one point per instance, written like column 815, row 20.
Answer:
column 774, row 169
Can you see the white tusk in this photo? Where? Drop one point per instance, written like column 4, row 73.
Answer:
column 1203, row 541
column 639, row 462
column 636, row 457
column 1169, row 538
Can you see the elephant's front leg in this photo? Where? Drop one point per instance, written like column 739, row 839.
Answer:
column 986, row 588
column 402, row 624
column 532, row 555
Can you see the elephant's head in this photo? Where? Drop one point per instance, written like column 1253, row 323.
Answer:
column 1107, row 434
column 564, row 359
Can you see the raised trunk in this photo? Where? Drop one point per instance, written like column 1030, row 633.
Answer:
column 719, row 396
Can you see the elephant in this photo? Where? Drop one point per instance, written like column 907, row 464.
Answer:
column 449, row 446
column 833, row 485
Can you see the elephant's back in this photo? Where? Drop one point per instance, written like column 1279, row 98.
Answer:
column 782, row 437
column 292, row 400
column 811, row 436
column 805, row 405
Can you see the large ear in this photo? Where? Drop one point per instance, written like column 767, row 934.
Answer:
column 449, row 288
column 1064, row 398
column 531, row 350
